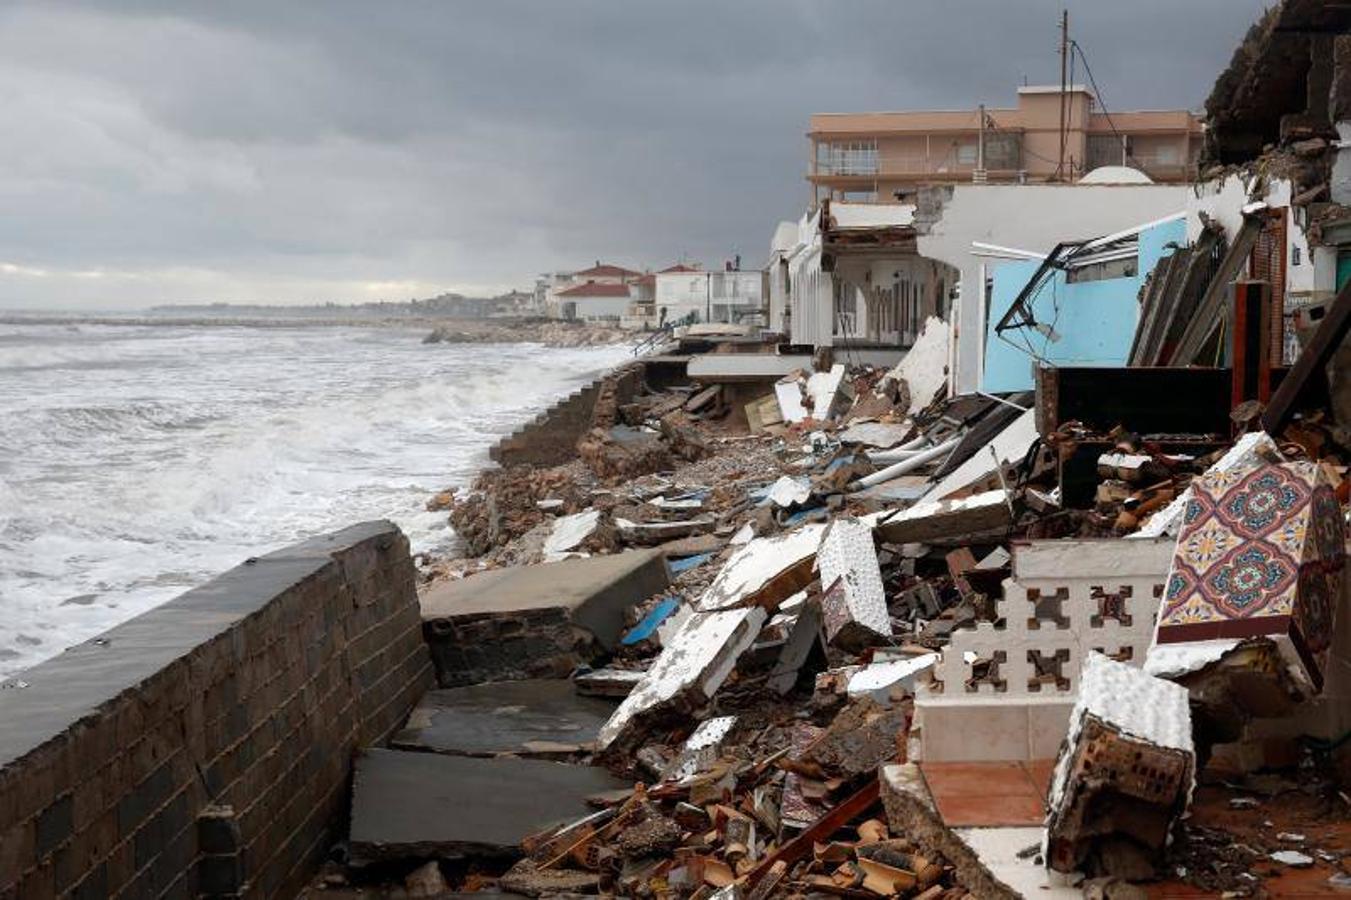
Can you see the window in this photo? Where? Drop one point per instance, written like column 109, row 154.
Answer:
column 846, row 157
column 1003, row 151
column 966, row 154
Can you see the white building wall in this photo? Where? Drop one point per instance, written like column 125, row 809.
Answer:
column 712, row 296
column 598, row 307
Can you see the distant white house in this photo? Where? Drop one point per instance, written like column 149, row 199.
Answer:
column 734, row 296
column 593, row 301
column 588, row 293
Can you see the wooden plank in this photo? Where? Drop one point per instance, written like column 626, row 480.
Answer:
column 1181, row 309
column 1210, row 312
column 1324, row 343
column 819, row 830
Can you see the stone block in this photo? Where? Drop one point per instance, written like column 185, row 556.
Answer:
column 1124, row 774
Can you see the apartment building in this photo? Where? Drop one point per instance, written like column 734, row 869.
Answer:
column 886, row 156
column 730, row 295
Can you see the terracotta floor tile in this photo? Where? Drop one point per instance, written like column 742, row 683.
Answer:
column 1040, row 771
column 976, row 779
column 990, row 793
column 1008, row 809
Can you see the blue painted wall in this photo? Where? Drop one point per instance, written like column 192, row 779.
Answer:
column 1095, row 320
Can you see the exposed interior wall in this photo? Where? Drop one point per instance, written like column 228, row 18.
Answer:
column 205, row 746
column 1028, row 217
column 1093, row 322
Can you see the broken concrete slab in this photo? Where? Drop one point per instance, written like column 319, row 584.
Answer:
column 1008, row 447
column 535, row 621
column 882, row 435
column 700, row 748
column 428, row 805
column 827, row 392
column 568, row 534
column 887, row 682
column 694, row 664
column 543, row 716
column 925, row 366
column 765, row 571
column 854, row 603
column 789, row 394
column 949, row 521
column 649, row 533
column 1124, row 774
column 788, row 492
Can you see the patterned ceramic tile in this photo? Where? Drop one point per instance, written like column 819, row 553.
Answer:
column 1260, row 553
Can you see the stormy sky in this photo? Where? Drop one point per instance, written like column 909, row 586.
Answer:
column 346, row 150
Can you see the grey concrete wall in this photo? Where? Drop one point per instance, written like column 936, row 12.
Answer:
column 204, row 748
column 551, row 438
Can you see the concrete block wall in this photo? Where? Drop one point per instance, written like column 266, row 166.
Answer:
column 204, row 748
column 551, row 437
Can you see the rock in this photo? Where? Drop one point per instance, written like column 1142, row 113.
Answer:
column 650, row 837
column 426, row 881
column 527, row 878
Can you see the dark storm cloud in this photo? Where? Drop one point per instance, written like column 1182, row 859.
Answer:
column 341, row 150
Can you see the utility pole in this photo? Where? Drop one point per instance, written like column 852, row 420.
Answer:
column 1064, row 73
column 980, row 145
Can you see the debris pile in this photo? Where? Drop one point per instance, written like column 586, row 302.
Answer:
column 858, row 635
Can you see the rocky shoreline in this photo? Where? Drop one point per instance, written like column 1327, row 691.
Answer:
column 550, row 332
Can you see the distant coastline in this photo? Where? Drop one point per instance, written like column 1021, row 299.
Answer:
column 438, row 329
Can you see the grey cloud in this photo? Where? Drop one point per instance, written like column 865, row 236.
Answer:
column 288, row 148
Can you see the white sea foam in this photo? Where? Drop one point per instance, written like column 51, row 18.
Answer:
column 136, row 462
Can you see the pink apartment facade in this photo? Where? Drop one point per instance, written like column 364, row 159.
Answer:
column 886, row 156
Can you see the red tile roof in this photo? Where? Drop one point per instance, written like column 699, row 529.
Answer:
column 594, row 289
column 680, row 267
column 607, row 271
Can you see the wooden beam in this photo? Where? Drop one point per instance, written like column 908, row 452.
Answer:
column 1324, row 343
column 819, row 830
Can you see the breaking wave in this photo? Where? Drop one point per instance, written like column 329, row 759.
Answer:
column 137, row 462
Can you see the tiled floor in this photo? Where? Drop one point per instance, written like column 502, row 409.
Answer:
column 989, row 793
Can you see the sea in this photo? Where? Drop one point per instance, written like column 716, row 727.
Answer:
column 137, row 461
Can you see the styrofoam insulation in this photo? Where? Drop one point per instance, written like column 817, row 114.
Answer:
column 847, row 552
column 1249, row 451
column 1131, row 700
column 883, row 435
column 697, row 660
column 753, row 566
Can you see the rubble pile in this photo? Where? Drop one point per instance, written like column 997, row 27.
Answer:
column 817, row 623
column 908, row 642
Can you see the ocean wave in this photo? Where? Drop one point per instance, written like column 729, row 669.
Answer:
column 126, row 486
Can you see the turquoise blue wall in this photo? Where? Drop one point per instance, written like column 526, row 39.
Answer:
column 1095, row 320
